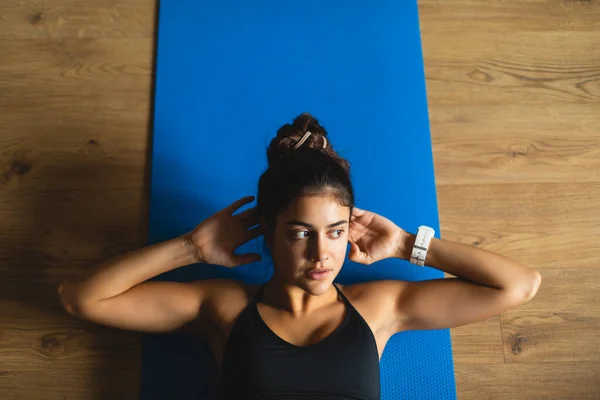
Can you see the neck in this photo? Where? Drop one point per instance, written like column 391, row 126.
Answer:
column 296, row 300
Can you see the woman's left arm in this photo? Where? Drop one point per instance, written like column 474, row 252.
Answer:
column 486, row 284
column 474, row 264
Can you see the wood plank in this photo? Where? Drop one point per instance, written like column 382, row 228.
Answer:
column 480, row 342
column 92, row 160
column 476, row 16
column 62, row 18
column 47, row 354
column 511, row 67
column 548, row 381
column 61, row 339
column 104, row 75
column 52, row 381
column 562, row 322
column 542, row 225
column 516, row 144
column 84, row 201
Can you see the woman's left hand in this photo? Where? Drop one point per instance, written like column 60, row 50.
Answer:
column 373, row 237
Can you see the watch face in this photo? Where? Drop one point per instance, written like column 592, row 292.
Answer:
column 427, row 229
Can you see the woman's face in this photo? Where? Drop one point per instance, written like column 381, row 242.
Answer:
column 312, row 233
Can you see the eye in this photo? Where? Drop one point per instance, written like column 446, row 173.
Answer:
column 341, row 231
column 298, row 234
column 295, row 234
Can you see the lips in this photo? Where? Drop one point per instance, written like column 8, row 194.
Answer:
column 317, row 271
column 318, row 274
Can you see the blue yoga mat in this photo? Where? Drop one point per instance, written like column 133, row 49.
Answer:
column 229, row 74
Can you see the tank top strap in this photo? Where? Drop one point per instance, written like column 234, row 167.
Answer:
column 251, row 307
column 341, row 294
column 259, row 293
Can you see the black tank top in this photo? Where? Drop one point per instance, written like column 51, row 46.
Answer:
column 258, row 364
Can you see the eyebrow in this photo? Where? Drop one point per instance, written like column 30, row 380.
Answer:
column 310, row 226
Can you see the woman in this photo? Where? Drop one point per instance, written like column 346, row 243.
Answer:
column 299, row 335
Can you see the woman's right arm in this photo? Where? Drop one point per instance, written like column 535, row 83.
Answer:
column 117, row 293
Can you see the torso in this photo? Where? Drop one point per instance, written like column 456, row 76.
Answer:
column 216, row 325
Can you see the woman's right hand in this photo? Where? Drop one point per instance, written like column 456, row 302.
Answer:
column 215, row 239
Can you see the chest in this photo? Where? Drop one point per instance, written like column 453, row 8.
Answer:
column 302, row 332
column 331, row 356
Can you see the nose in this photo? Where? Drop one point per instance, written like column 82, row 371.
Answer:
column 318, row 250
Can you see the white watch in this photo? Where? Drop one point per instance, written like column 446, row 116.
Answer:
column 419, row 251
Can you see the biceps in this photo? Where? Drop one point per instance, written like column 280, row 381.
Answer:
column 147, row 307
column 452, row 302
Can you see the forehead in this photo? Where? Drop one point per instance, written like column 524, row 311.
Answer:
column 318, row 209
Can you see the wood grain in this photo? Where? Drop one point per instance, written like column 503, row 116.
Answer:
column 51, row 381
column 52, row 339
column 28, row 19
column 561, row 324
column 480, row 342
column 514, row 144
column 548, row 381
column 543, row 225
column 476, row 16
column 513, row 89
column 109, row 76
column 512, row 68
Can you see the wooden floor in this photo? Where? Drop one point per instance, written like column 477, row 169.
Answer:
column 514, row 99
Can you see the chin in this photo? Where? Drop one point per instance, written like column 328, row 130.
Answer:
column 317, row 288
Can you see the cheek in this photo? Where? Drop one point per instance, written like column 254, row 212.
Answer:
column 288, row 250
column 340, row 244
column 295, row 251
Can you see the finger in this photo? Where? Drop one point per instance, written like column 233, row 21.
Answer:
column 356, row 255
column 249, row 258
column 358, row 211
column 361, row 257
column 249, row 217
column 253, row 233
column 354, row 234
column 354, row 249
column 239, row 203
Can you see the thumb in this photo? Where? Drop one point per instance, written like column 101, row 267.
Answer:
column 358, row 211
column 356, row 254
column 354, row 250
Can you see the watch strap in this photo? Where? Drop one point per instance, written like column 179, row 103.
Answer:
column 421, row 246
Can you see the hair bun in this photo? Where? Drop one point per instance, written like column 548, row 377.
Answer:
column 290, row 134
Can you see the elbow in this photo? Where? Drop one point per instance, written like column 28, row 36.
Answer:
column 525, row 289
column 68, row 293
column 532, row 288
column 65, row 293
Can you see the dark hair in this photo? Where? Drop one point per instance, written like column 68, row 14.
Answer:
column 309, row 170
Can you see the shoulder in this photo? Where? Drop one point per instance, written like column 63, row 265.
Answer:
column 377, row 302
column 224, row 293
column 378, row 291
column 218, row 289
column 224, row 300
